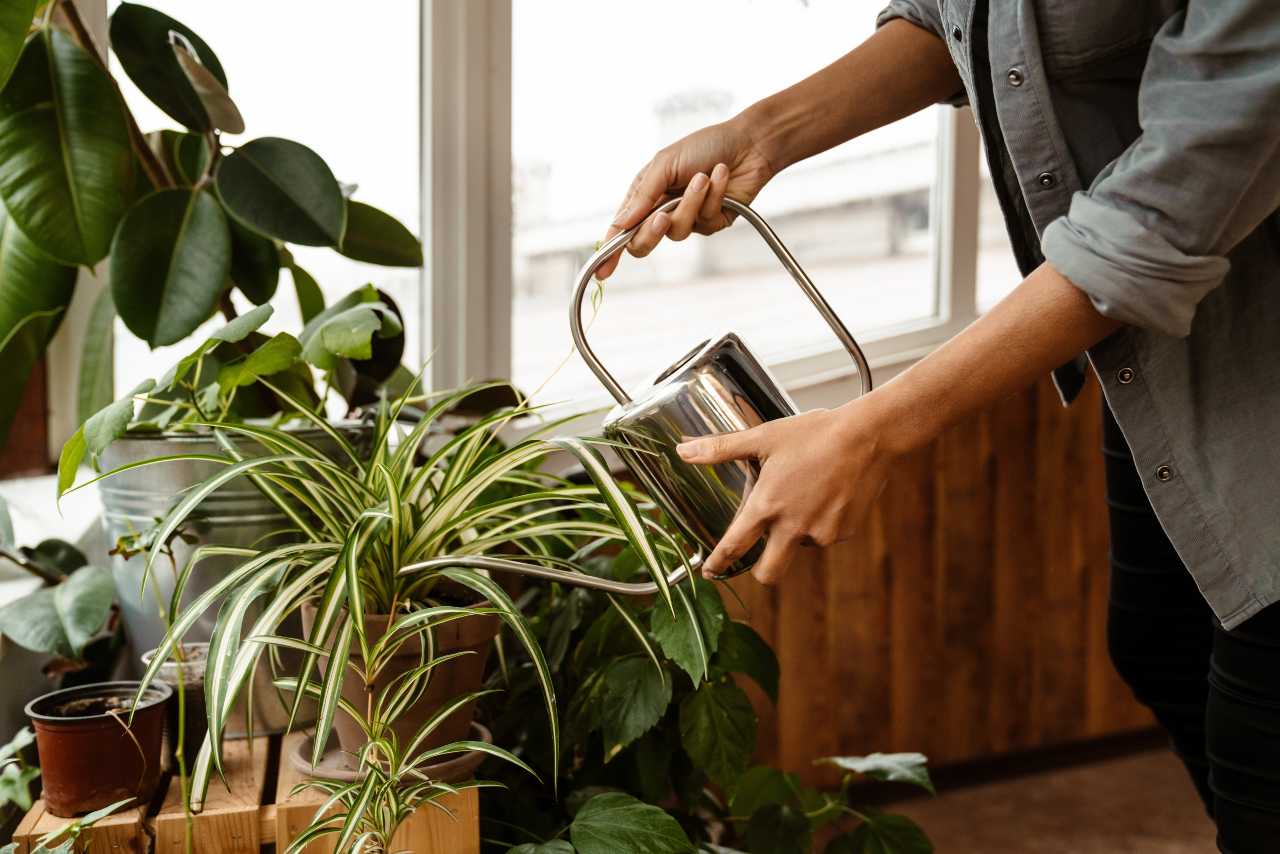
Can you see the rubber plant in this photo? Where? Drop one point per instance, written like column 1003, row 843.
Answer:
column 360, row 523
column 660, row 759
column 179, row 221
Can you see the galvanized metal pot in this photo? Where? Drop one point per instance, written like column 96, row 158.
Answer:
column 236, row 514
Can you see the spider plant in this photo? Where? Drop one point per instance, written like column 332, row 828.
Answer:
column 358, row 517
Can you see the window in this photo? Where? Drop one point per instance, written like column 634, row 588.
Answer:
column 590, row 106
column 997, row 268
column 343, row 81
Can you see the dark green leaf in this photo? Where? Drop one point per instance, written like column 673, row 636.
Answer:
column 718, row 730
column 140, row 39
column 283, row 189
column 58, row 557
column 677, row 635
column 350, row 328
column 66, row 168
column 222, row 111
column 778, row 829
column 185, row 155
column 761, row 786
column 651, row 759
column 15, row 21
column 310, row 298
column 892, row 767
column 34, row 293
column 743, row 651
column 636, row 696
column 568, row 616
column 255, row 264
column 614, row 823
column 169, row 264
column 96, row 387
column 60, row 620
column 882, row 833
column 272, row 357
column 379, row 238
column 584, row 714
column 605, row 639
column 555, row 846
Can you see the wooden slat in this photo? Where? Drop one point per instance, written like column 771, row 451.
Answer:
column 968, row 617
column 229, row 822
column 122, row 832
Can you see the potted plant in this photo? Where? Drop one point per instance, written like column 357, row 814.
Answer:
column 185, row 226
column 99, row 743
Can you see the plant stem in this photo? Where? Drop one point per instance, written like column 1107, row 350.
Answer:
column 48, row 577
column 227, row 307
column 151, row 165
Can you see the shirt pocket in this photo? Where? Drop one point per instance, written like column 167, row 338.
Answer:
column 1074, row 35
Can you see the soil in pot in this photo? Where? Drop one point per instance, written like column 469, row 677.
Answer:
column 449, row 680
column 91, row 754
column 190, row 688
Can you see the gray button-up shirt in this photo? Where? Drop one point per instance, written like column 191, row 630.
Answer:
column 1136, row 148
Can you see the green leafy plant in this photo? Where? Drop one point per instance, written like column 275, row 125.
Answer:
column 16, row 776
column 179, row 220
column 68, row 612
column 659, row 758
column 363, row 515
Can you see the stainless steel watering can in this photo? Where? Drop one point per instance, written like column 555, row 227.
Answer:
column 719, row 386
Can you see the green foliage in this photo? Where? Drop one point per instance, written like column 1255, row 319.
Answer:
column 96, row 381
column 613, row 822
column 778, row 829
column 169, row 264
column 283, row 189
column 35, row 291
column 255, row 264
column 718, row 729
column 635, row 695
column 379, row 238
column 67, row 837
column 140, row 39
column 16, row 775
column 691, row 632
column 62, row 619
column 15, row 20
column 891, row 767
column 742, row 650
column 66, row 172
column 881, row 833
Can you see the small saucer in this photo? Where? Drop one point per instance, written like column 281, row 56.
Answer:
column 336, row 763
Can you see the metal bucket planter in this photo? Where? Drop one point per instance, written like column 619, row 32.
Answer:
column 234, row 515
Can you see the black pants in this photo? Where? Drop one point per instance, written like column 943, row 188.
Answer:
column 1216, row 692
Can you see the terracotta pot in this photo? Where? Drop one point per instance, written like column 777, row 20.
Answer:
column 190, row 687
column 458, row 676
column 91, row 755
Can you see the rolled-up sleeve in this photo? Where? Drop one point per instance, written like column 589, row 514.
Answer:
column 926, row 15
column 1149, row 239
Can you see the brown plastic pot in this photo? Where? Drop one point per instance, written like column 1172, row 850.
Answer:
column 449, row 680
column 91, row 754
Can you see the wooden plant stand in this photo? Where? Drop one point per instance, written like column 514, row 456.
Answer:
column 256, row 812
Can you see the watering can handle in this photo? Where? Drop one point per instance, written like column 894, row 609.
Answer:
column 615, row 245
column 546, row 573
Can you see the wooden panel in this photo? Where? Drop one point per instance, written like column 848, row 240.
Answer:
column 229, row 821
column 969, row 618
column 26, row 451
column 123, row 832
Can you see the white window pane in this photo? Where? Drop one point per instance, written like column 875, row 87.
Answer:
column 598, row 88
column 338, row 78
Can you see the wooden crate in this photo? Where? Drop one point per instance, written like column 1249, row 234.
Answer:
column 251, row 814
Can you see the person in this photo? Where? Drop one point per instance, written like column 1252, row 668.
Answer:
column 1135, row 150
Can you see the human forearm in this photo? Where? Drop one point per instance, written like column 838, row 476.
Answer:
column 1045, row 322
column 900, row 70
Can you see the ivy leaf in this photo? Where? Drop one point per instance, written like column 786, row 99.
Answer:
column 883, row 833
column 759, row 787
column 890, row 767
column 778, row 829
column 60, row 620
column 555, row 846
column 615, row 822
column 276, row 355
column 718, row 730
column 15, row 785
column 742, row 650
column 636, row 696
column 680, row 638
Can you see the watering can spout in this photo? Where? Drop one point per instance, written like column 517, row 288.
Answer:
column 546, row 573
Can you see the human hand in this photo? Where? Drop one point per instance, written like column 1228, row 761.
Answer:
column 819, row 473
column 704, row 167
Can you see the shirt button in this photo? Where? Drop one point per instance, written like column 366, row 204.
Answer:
column 1046, row 179
column 1015, row 77
column 1125, row 375
column 957, row 34
column 1164, row 474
